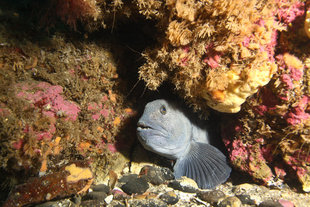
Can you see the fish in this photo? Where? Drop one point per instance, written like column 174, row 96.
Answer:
column 165, row 129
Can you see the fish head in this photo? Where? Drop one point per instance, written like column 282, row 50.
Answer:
column 164, row 129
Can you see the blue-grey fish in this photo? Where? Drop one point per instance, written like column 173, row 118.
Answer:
column 166, row 130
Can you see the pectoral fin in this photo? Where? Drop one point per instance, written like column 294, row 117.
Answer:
column 205, row 164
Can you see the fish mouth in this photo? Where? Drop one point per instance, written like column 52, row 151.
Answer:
column 143, row 126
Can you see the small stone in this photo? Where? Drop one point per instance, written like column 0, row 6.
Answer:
column 90, row 203
column 118, row 194
column 64, row 203
column 108, row 199
column 127, row 178
column 77, row 199
column 247, row 188
column 170, row 198
column 184, row 184
column 212, row 197
column 137, row 185
column 95, row 195
column 231, row 202
column 246, row 199
column 116, row 204
column 101, row 187
column 270, row 203
column 286, row 203
column 147, row 203
column 167, row 173
column 155, row 175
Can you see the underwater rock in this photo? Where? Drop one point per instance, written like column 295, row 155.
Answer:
column 169, row 197
column 101, row 188
column 135, row 186
column 63, row 203
column 268, row 140
column 147, row 203
column 230, row 201
column 155, row 175
column 95, row 195
column 286, row 203
column 47, row 98
column 270, row 203
column 74, row 178
column 246, row 199
column 213, row 55
column 212, row 197
column 127, row 178
column 40, row 108
column 118, row 194
column 184, row 184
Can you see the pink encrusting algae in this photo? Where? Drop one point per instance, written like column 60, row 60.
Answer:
column 212, row 57
column 287, row 80
column 249, row 158
column 271, row 116
column 47, row 98
column 46, row 134
column 48, row 101
column 98, row 110
column 289, row 13
column 298, row 113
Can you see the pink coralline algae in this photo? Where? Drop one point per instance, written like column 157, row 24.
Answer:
column 298, row 161
column 298, row 113
column 265, row 131
column 212, row 57
column 292, row 69
column 287, row 80
column 249, row 158
column 98, row 110
column 48, row 99
column 296, row 74
column 269, row 102
column 42, row 134
column 288, row 14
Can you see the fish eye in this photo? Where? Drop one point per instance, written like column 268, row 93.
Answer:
column 163, row 110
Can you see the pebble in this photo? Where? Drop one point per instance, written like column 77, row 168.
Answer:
column 135, row 186
column 101, row 187
column 155, row 175
column 60, row 203
column 286, row 203
column 90, row 203
column 118, row 194
column 184, row 184
column 246, row 199
column 169, row 197
column 270, row 203
column 108, row 199
column 116, row 204
column 212, row 197
column 147, row 203
column 167, row 173
column 231, row 202
column 95, row 195
column 127, row 178
column 247, row 187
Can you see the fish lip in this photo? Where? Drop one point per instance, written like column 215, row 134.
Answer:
column 143, row 126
